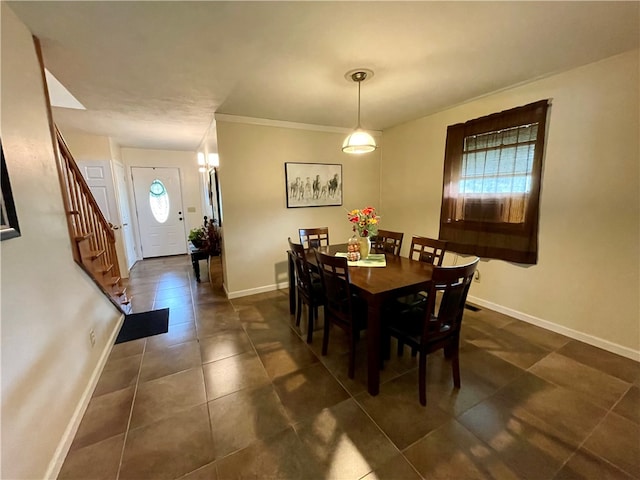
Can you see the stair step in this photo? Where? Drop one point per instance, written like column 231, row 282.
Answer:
column 113, row 281
column 121, row 292
column 83, row 236
column 107, row 269
column 97, row 254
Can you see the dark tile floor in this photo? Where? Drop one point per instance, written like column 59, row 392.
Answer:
column 233, row 391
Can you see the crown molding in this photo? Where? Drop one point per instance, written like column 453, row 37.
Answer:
column 224, row 117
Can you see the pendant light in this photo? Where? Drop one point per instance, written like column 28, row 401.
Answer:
column 359, row 141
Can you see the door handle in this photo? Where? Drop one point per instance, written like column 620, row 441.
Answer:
column 125, row 224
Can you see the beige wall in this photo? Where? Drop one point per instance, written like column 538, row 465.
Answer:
column 257, row 221
column 189, row 177
column 48, row 304
column 85, row 147
column 586, row 282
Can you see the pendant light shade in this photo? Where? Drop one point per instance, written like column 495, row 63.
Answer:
column 359, row 141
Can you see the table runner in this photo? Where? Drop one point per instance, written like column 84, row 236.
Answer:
column 373, row 260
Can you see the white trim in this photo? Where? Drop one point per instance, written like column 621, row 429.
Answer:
column 554, row 327
column 55, row 465
column 224, row 117
column 254, row 291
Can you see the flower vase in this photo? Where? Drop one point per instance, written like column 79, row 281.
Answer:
column 365, row 247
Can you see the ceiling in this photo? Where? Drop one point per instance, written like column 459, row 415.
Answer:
column 153, row 74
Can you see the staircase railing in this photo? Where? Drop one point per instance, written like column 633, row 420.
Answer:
column 92, row 238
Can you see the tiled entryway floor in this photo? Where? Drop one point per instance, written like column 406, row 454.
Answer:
column 233, row 391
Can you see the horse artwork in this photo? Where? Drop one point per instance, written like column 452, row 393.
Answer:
column 313, row 184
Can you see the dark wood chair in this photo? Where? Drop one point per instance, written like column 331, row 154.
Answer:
column 438, row 325
column 429, row 250
column 423, row 249
column 387, row 242
column 308, row 289
column 342, row 307
column 314, row 237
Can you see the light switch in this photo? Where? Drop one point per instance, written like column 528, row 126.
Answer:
column 191, row 209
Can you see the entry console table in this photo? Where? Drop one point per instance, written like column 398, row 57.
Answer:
column 197, row 254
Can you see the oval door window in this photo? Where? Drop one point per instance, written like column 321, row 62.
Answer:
column 159, row 201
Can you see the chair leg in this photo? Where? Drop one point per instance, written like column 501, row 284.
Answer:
column 422, row 381
column 312, row 312
column 352, row 354
column 298, row 310
column 455, row 365
column 325, row 338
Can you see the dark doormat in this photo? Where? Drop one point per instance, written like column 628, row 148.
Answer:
column 143, row 324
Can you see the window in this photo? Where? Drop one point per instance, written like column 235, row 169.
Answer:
column 159, row 201
column 491, row 190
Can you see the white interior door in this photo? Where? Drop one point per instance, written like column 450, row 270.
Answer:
column 158, row 198
column 97, row 174
column 125, row 216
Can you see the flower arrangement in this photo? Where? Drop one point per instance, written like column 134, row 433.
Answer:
column 365, row 221
column 206, row 237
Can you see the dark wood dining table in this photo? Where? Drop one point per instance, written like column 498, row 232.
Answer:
column 375, row 285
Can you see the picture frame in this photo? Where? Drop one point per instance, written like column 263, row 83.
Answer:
column 214, row 196
column 9, row 227
column 313, row 184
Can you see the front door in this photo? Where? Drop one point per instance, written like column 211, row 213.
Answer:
column 158, row 200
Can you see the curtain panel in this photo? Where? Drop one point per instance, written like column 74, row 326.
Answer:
column 491, row 184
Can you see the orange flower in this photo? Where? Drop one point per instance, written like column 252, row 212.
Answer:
column 365, row 221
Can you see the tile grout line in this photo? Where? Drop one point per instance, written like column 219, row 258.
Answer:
column 590, row 434
column 133, row 401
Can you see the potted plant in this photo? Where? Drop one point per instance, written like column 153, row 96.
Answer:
column 198, row 236
column 213, row 236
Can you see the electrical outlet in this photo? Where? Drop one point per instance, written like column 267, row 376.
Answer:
column 476, row 276
column 92, row 337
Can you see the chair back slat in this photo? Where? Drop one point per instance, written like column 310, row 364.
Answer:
column 387, row 242
column 428, row 250
column 303, row 273
column 314, row 237
column 334, row 275
column 445, row 319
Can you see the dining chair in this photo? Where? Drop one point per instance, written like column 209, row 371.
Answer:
column 342, row 307
column 438, row 325
column 308, row 289
column 429, row 250
column 423, row 249
column 387, row 242
column 314, row 237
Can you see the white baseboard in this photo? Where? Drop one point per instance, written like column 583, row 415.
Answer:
column 254, row 291
column 554, row 327
column 72, row 428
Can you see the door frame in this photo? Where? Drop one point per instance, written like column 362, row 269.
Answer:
column 138, row 235
column 128, row 261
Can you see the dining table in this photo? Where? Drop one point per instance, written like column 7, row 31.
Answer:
column 375, row 285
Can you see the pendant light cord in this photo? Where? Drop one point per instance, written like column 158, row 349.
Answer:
column 359, row 82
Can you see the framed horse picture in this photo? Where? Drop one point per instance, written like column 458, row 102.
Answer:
column 313, row 184
column 8, row 218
